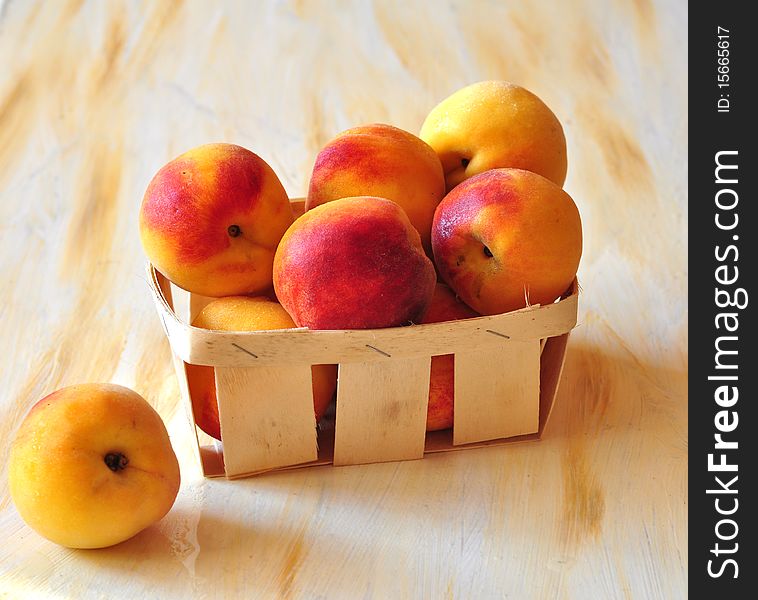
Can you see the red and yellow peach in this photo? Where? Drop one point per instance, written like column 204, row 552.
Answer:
column 445, row 306
column 383, row 161
column 354, row 263
column 507, row 238
column 211, row 219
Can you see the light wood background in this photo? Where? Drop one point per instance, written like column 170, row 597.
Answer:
column 96, row 96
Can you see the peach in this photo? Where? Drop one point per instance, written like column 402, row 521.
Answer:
column 383, row 161
column 92, row 465
column 507, row 238
column 495, row 124
column 354, row 263
column 445, row 306
column 243, row 313
column 211, row 219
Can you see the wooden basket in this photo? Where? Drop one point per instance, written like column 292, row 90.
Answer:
column 507, row 369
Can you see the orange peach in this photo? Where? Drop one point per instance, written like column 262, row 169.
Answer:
column 495, row 124
column 354, row 263
column 383, row 161
column 211, row 219
column 243, row 313
column 92, row 465
column 507, row 238
column 445, row 306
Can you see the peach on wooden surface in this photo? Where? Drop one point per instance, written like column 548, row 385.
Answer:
column 244, row 313
column 495, row 124
column 507, row 238
column 354, row 263
column 445, row 306
column 92, row 465
column 211, row 219
column 383, row 161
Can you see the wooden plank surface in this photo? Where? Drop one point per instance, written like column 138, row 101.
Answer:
column 96, row 96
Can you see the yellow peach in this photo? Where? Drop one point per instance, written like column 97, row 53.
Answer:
column 92, row 465
column 244, row 313
column 495, row 124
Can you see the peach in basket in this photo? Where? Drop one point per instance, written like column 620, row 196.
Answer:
column 244, row 313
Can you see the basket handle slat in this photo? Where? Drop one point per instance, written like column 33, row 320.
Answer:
column 381, row 410
column 266, row 415
column 497, row 391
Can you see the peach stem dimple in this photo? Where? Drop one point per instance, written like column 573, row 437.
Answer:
column 234, row 230
column 116, row 461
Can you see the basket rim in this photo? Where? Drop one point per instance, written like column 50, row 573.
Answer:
column 202, row 346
